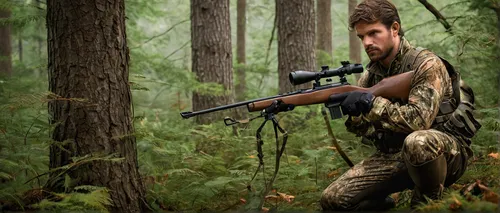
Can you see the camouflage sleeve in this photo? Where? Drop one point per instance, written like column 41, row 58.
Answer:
column 428, row 87
column 363, row 80
column 358, row 124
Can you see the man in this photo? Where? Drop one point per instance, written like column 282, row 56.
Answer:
column 423, row 142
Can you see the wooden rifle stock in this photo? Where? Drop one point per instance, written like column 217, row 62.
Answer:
column 397, row 86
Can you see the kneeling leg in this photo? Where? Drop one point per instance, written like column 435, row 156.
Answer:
column 367, row 185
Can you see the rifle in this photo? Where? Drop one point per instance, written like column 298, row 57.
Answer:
column 393, row 87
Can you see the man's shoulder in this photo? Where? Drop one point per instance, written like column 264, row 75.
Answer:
column 425, row 53
column 418, row 55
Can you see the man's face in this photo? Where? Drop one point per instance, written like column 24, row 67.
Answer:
column 377, row 40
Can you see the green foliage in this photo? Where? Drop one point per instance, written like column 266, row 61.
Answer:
column 23, row 137
column 323, row 58
column 208, row 167
column 456, row 202
column 189, row 167
column 97, row 199
column 20, row 21
column 30, row 13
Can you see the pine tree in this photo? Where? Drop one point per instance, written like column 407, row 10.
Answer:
column 211, row 52
column 91, row 101
column 296, row 38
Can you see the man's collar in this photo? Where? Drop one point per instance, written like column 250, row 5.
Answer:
column 377, row 68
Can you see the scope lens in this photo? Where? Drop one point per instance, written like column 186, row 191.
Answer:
column 291, row 76
column 300, row 77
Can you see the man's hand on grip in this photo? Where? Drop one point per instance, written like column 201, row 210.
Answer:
column 354, row 103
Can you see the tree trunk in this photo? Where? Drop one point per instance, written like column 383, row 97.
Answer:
column 324, row 32
column 497, row 11
column 5, row 46
column 20, row 45
column 296, row 38
column 354, row 43
column 40, row 29
column 240, row 49
column 211, row 53
column 91, row 106
column 40, row 40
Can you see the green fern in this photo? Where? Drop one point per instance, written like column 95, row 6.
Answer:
column 97, row 199
column 184, row 172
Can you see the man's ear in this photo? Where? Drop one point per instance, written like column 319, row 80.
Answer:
column 395, row 29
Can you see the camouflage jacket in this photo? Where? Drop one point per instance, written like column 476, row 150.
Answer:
column 430, row 85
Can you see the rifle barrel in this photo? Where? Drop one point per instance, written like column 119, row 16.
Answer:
column 191, row 114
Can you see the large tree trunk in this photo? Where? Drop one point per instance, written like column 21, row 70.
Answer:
column 91, row 110
column 497, row 11
column 324, row 31
column 296, row 38
column 240, row 49
column 211, row 52
column 5, row 46
column 354, row 43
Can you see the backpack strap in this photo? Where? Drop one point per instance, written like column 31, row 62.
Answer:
column 410, row 59
column 451, row 104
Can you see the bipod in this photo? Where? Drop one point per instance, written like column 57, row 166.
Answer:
column 269, row 114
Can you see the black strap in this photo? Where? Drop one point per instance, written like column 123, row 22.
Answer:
column 455, row 82
column 269, row 115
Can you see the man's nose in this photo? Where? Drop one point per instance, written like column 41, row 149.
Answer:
column 367, row 42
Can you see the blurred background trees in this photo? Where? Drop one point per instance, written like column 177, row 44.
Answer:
column 183, row 56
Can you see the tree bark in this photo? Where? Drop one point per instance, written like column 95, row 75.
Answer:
column 296, row 38
column 40, row 40
column 354, row 43
column 240, row 49
column 91, row 101
column 5, row 46
column 497, row 11
column 40, row 29
column 211, row 53
column 324, row 30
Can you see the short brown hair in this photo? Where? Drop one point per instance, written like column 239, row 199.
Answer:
column 372, row 11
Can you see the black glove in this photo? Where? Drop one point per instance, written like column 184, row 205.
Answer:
column 354, row 103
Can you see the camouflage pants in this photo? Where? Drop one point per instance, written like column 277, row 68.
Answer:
column 376, row 177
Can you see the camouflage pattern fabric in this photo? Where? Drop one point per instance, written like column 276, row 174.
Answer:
column 382, row 174
column 429, row 87
column 400, row 130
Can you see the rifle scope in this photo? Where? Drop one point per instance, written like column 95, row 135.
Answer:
column 300, row 77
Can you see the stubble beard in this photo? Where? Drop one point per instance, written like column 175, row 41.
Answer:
column 382, row 57
column 384, row 54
